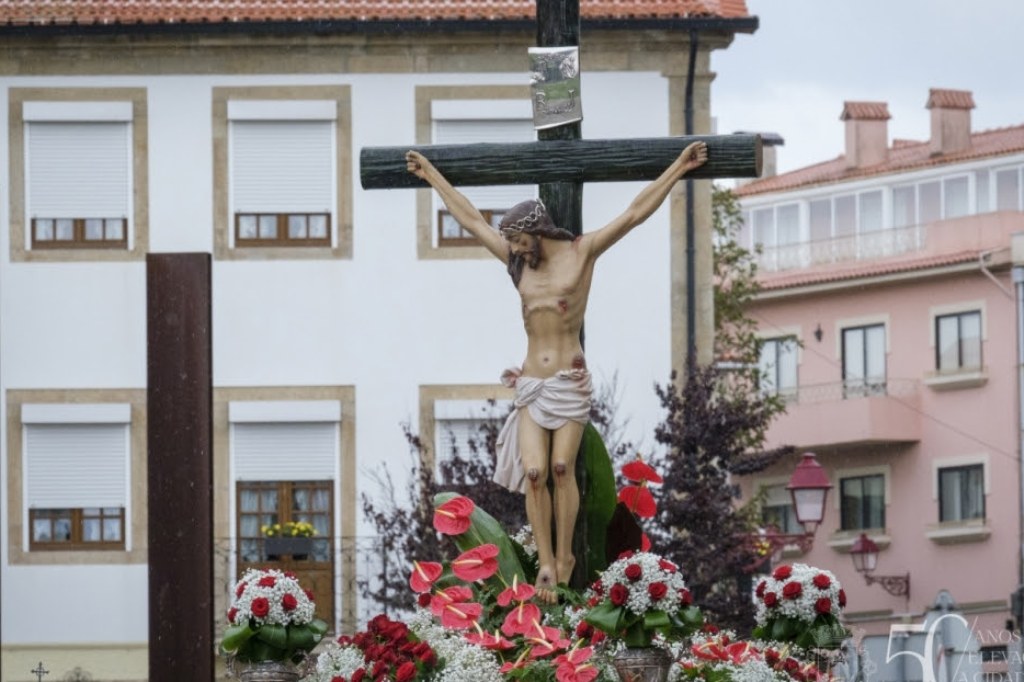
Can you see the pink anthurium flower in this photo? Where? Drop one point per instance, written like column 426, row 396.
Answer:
column 520, row 620
column 741, row 652
column 486, row 640
column 517, row 592
column 423, row 575
column 573, row 666
column 478, row 563
column 638, row 471
column 545, row 641
column 460, row 616
column 639, row 500
column 452, row 517
column 451, row 595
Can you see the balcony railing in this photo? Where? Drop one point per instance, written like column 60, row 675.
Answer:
column 864, row 246
column 845, row 414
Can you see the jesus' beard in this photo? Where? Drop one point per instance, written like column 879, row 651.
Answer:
column 516, row 261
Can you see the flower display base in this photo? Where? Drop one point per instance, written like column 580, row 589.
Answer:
column 649, row 664
column 266, row 671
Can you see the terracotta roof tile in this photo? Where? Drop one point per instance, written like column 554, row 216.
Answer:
column 875, row 111
column 834, row 273
column 902, row 157
column 950, row 99
column 99, row 12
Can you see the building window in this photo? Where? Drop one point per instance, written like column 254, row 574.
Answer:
column 494, row 201
column 262, row 505
column 1008, row 189
column 89, row 528
column 282, row 173
column 282, row 229
column 78, row 174
column 862, row 502
column 777, row 510
column 864, row 361
column 76, row 476
column 962, row 493
column 450, row 233
column 778, row 366
column 958, row 342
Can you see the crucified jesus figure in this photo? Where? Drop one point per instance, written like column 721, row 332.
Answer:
column 552, row 269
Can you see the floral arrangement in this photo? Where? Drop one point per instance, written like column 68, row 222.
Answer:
column 386, row 650
column 289, row 529
column 271, row 618
column 800, row 604
column 641, row 595
column 480, row 620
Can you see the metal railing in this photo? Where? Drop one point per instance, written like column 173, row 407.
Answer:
column 848, row 390
column 864, row 246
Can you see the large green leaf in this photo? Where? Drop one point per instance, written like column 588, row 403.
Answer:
column 598, row 496
column 235, row 636
column 274, row 635
column 485, row 529
column 606, row 617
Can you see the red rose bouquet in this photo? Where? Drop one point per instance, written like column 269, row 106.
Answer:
column 800, row 604
column 271, row 618
column 639, row 596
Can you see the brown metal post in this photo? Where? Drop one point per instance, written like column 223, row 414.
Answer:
column 180, row 467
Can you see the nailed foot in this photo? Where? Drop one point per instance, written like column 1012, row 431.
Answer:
column 546, row 585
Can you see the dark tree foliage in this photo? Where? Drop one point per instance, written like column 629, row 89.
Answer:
column 715, row 426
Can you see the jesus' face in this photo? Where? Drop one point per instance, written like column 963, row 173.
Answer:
column 524, row 245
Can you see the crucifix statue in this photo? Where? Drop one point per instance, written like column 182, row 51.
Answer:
column 551, row 263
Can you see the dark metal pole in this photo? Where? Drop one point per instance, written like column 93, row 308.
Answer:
column 180, row 466
column 691, row 237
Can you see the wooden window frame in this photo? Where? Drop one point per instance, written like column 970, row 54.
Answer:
column 283, row 238
column 467, row 239
column 963, row 468
column 960, row 367
column 285, row 490
column 844, row 522
column 77, row 517
column 79, row 240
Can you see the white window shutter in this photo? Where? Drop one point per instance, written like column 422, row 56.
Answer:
column 282, row 166
column 285, row 451
column 78, row 169
column 457, row 433
column 461, row 131
column 70, row 466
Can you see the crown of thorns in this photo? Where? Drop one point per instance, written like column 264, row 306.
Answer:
column 530, row 219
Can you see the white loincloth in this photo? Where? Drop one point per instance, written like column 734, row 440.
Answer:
column 552, row 402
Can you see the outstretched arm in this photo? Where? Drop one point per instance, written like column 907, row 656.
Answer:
column 459, row 206
column 648, row 201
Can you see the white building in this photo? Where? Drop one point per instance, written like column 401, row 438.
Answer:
column 338, row 313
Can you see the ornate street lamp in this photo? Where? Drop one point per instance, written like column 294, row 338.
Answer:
column 809, row 486
column 864, row 553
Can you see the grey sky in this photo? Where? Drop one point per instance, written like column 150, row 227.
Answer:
column 808, row 56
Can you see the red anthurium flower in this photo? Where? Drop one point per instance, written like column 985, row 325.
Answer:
column 452, row 517
column 639, row 500
column 520, row 620
column 486, row 640
column 478, row 563
column 709, row 650
column 645, row 543
column 741, row 652
column 517, row 592
column 639, row 471
column 460, row 616
column 545, row 641
column 451, row 595
column 573, row 666
column 423, row 575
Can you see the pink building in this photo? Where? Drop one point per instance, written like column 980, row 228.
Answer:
column 891, row 298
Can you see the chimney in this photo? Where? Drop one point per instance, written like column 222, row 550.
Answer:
column 951, row 120
column 867, row 133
